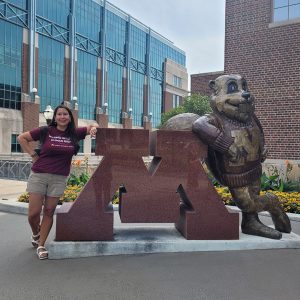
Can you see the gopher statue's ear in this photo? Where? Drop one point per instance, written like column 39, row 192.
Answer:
column 212, row 85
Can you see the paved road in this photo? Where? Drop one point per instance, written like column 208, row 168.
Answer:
column 241, row 275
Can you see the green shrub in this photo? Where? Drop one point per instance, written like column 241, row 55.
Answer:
column 194, row 103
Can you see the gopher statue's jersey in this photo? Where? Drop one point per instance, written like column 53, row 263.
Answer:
column 220, row 133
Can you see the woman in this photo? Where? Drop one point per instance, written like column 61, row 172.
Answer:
column 47, row 181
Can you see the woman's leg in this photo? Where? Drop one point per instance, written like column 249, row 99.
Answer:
column 47, row 220
column 34, row 211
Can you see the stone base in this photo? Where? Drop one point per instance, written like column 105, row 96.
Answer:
column 160, row 239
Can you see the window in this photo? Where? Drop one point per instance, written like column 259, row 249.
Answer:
column 86, row 74
column 137, row 92
column 15, row 146
column 93, row 146
column 51, row 72
column 176, row 81
column 176, row 99
column 155, row 101
column 286, row 10
column 114, row 93
column 81, row 149
column 10, row 65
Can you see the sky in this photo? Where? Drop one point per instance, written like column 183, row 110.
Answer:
column 195, row 26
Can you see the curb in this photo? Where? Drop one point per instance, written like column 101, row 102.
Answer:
column 15, row 207
column 146, row 240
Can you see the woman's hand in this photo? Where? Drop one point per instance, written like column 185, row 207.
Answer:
column 92, row 130
column 35, row 158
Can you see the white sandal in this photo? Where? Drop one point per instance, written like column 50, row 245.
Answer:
column 42, row 254
column 35, row 239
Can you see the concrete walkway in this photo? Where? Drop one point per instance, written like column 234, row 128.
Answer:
column 143, row 238
column 11, row 189
column 257, row 274
column 229, row 275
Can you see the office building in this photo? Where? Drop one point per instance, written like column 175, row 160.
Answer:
column 104, row 64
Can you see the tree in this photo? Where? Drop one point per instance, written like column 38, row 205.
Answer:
column 195, row 103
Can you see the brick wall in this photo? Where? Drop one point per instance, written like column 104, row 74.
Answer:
column 67, row 95
column 268, row 57
column 30, row 114
column 167, row 102
column 199, row 82
column 25, row 68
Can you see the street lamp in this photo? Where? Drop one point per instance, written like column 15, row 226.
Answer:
column 129, row 112
column 34, row 92
column 75, row 104
column 104, row 108
column 48, row 114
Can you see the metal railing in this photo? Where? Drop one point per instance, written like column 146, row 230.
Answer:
column 16, row 170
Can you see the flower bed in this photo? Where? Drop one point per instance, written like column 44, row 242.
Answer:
column 289, row 201
column 70, row 194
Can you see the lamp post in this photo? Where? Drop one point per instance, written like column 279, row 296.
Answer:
column 75, row 104
column 130, row 113
column 105, row 106
column 33, row 92
column 48, row 114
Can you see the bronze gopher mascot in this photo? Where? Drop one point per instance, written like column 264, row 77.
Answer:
column 235, row 151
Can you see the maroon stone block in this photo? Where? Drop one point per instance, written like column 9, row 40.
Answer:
column 176, row 180
column 174, row 188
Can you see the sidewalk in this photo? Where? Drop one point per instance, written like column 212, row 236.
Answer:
column 11, row 189
column 146, row 238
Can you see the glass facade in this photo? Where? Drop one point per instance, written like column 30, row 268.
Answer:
column 136, row 97
column 138, row 44
column 56, row 36
column 114, row 92
column 155, row 105
column 88, row 19
column 116, row 32
column 51, row 72
column 19, row 3
column 55, row 11
column 159, row 51
column 10, row 65
column 87, row 68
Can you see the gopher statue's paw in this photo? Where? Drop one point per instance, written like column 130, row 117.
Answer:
column 282, row 223
column 280, row 219
column 252, row 225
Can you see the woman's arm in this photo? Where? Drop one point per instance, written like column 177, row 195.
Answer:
column 92, row 129
column 24, row 139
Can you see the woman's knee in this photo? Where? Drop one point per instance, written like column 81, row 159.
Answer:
column 33, row 215
column 48, row 211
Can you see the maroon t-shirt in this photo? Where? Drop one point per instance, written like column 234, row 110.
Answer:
column 57, row 151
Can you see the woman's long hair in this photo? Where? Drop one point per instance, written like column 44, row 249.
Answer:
column 70, row 130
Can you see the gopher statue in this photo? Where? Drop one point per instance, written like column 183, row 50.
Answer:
column 236, row 149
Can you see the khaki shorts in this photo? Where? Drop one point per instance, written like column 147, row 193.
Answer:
column 51, row 185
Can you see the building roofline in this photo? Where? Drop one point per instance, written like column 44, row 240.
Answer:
column 208, row 73
column 122, row 14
